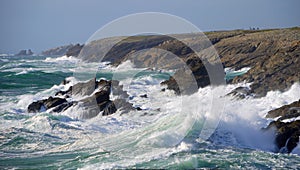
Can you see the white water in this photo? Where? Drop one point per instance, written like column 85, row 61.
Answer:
column 137, row 137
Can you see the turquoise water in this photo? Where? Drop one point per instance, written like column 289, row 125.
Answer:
column 62, row 141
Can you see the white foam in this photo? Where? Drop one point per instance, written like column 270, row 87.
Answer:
column 63, row 59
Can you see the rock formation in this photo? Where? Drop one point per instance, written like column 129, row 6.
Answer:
column 95, row 95
column 287, row 132
column 25, row 53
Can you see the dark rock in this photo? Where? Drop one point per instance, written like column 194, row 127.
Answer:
column 287, row 134
column 286, row 111
column 102, row 95
column 53, row 101
column 144, row 96
column 186, row 82
column 65, row 81
column 45, row 104
column 64, row 93
column 24, row 53
column 29, row 52
column 97, row 100
column 58, row 51
column 109, row 108
column 74, row 50
column 138, row 108
column 240, row 92
column 35, row 107
column 64, row 106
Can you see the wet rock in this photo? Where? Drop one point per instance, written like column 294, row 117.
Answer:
column 45, row 104
column 96, row 98
column 117, row 90
column 64, row 106
column 35, row 107
column 84, row 88
column 138, row 108
column 144, row 96
column 287, row 133
column 66, row 93
column 109, row 108
column 123, row 105
column 286, row 111
column 240, row 92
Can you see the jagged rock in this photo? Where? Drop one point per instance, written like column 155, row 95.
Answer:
column 287, row 133
column 74, row 50
column 117, row 90
column 240, row 92
column 93, row 103
column 29, row 52
column 123, row 104
column 272, row 55
column 189, row 81
column 24, row 53
column 109, row 108
column 286, row 111
column 64, row 106
column 35, row 107
column 85, row 88
column 59, row 51
column 45, row 104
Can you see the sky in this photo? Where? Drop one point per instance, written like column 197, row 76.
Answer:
column 44, row 24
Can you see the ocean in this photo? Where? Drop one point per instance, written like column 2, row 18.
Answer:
column 165, row 134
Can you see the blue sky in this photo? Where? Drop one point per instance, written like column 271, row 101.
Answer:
column 43, row 24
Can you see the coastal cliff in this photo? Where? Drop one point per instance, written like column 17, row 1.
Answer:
column 272, row 57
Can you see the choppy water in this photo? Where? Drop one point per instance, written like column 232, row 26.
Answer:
column 136, row 139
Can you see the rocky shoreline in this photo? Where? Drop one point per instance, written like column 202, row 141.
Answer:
column 95, row 99
column 272, row 56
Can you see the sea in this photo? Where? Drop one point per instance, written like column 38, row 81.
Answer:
column 166, row 134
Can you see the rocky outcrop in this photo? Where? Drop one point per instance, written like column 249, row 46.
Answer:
column 45, row 104
column 93, row 93
column 74, row 50
column 240, row 92
column 68, row 50
column 286, row 111
column 58, row 51
column 272, row 55
column 25, row 53
column 287, row 132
